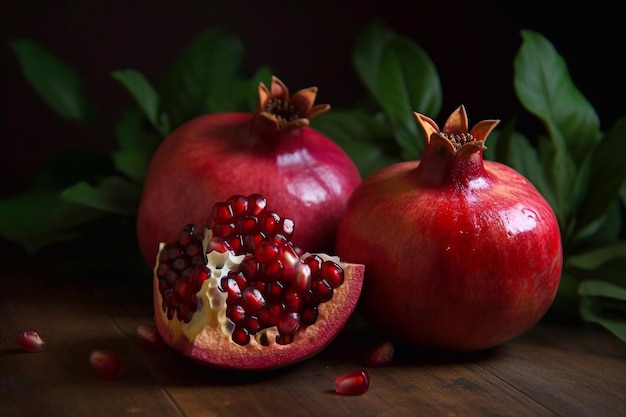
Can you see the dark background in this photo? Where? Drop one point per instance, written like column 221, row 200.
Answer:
column 306, row 43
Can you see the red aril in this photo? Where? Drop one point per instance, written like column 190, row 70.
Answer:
column 379, row 355
column 355, row 382
column 461, row 254
column 273, row 152
column 106, row 364
column 149, row 337
column 237, row 294
column 30, row 341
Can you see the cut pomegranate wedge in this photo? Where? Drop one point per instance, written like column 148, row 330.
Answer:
column 241, row 296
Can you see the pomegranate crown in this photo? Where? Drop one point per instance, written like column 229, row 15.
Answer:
column 283, row 111
column 455, row 133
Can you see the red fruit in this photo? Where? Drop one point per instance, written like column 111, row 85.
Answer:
column 462, row 254
column 106, row 364
column 352, row 383
column 240, row 296
column 273, row 152
column 30, row 341
column 149, row 337
column 379, row 355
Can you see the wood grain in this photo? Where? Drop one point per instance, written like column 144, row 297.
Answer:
column 550, row 371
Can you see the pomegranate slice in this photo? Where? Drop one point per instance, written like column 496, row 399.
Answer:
column 241, row 296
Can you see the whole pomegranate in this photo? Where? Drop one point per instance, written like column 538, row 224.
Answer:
column 237, row 294
column 273, row 152
column 461, row 254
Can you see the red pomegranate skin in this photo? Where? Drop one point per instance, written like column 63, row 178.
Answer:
column 461, row 257
column 212, row 157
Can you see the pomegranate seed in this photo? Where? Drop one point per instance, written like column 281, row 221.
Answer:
column 322, row 290
column 218, row 244
column 275, row 290
column 222, row 211
column 247, row 224
column 106, row 364
column 379, row 355
column 257, row 203
column 236, row 313
column 241, row 336
column 230, row 285
column 149, row 337
column 253, row 299
column 309, row 316
column 292, row 300
column 30, row 341
column 314, row 262
column 269, row 222
column 303, row 277
column 352, row 383
column 288, row 227
column 266, row 252
column 332, row 273
column 289, row 323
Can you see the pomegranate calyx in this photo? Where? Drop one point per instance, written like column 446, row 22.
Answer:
column 453, row 153
column 283, row 111
column 456, row 131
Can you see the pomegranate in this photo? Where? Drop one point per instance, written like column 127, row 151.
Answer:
column 239, row 295
column 273, row 152
column 462, row 254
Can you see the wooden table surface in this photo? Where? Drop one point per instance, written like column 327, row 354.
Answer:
column 553, row 370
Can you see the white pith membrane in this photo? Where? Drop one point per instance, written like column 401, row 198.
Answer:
column 210, row 330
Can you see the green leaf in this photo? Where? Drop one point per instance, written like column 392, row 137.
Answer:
column 367, row 53
column 497, row 144
column 248, row 89
column 402, row 78
column 132, row 164
column 606, row 176
column 38, row 219
column 112, row 195
column 561, row 176
column 597, row 256
column 567, row 301
column 617, row 326
column 605, row 304
column 602, row 231
column 137, row 144
column 145, row 96
column 56, row 83
column 407, row 81
column 516, row 151
column 545, row 88
column 611, row 271
column 365, row 138
column 201, row 79
column 344, row 126
column 597, row 288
